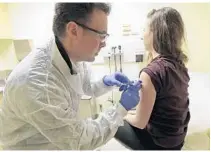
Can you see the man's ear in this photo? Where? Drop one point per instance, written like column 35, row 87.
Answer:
column 72, row 29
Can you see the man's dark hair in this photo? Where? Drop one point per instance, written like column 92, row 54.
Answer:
column 167, row 27
column 66, row 12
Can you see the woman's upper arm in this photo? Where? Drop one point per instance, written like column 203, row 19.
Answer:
column 147, row 100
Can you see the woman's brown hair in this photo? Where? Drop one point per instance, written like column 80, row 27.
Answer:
column 167, row 27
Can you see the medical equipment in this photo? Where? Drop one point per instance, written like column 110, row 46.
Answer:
column 111, row 56
column 114, row 52
column 120, row 57
column 125, row 86
column 109, row 62
column 112, row 95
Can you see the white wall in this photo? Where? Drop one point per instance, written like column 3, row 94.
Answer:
column 34, row 21
column 133, row 14
column 31, row 20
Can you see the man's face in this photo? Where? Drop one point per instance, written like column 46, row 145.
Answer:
column 89, row 40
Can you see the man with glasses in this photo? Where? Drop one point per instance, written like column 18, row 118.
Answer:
column 42, row 94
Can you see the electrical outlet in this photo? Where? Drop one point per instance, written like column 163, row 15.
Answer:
column 101, row 108
column 139, row 57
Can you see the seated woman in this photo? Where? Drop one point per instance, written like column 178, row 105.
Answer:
column 161, row 118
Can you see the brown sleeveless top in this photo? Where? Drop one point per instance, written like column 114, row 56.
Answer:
column 170, row 116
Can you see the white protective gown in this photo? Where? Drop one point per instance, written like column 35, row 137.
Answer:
column 40, row 106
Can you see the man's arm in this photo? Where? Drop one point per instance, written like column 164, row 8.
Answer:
column 53, row 115
column 93, row 88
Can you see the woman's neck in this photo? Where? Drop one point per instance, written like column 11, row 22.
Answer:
column 154, row 53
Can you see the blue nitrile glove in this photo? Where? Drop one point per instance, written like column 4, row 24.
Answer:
column 124, row 87
column 115, row 79
column 130, row 97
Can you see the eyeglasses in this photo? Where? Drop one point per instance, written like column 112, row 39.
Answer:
column 103, row 36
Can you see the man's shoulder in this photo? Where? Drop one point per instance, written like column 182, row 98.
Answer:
column 33, row 70
column 33, row 84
